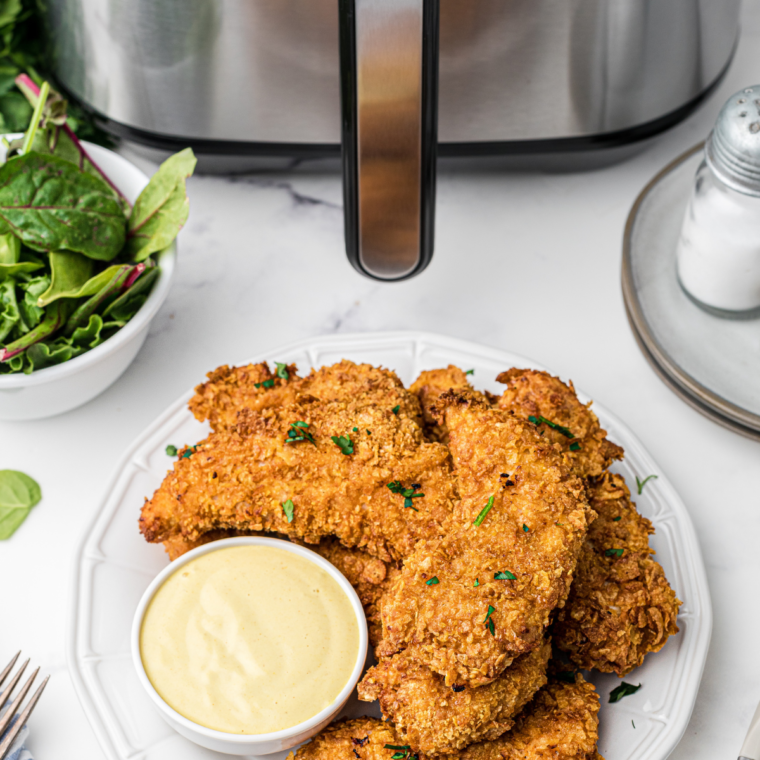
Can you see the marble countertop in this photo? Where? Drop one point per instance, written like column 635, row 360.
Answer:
column 528, row 262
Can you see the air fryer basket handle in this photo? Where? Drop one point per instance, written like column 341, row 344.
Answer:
column 389, row 87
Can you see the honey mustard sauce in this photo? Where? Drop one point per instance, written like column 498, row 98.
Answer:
column 249, row 640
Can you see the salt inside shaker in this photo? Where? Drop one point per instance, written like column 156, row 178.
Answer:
column 718, row 254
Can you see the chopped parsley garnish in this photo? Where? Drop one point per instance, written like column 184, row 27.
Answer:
column 299, row 431
column 490, row 612
column 287, row 508
column 469, row 372
column 483, row 512
column 404, row 751
column 369, row 432
column 491, row 627
column 614, row 553
column 188, row 452
column 396, row 408
column 408, row 493
column 633, row 724
column 344, row 443
column 641, row 483
column 433, row 581
column 356, row 430
column 265, row 383
column 617, row 519
column 526, row 528
column 504, row 575
column 568, row 676
column 575, row 446
column 171, row 450
column 458, row 687
column 553, row 425
column 282, row 371
column 477, row 583
column 624, row 690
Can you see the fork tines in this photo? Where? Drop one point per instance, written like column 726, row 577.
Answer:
column 7, row 717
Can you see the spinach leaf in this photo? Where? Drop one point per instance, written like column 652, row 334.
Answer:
column 81, row 316
column 55, row 317
column 62, row 349
column 31, row 314
column 161, row 208
column 130, row 302
column 9, row 314
column 8, row 270
column 18, row 494
column 69, row 273
column 53, row 206
column 10, row 249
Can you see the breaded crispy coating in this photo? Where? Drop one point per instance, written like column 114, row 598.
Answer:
column 333, row 460
column 561, row 723
column 440, row 720
column 229, row 390
column 360, row 738
column 531, row 393
column 620, row 607
column 428, row 387
column 508, row 555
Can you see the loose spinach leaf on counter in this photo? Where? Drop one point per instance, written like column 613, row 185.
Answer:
column 18, row 494
column 162, row 207
column 52, row 206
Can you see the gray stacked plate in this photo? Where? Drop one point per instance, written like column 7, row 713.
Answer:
column 711, row 362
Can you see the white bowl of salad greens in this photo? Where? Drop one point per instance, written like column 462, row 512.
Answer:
column 87, row 255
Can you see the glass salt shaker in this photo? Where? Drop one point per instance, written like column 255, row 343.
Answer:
column 718, row 254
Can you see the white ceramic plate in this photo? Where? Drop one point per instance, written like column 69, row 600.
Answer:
column 114, row 565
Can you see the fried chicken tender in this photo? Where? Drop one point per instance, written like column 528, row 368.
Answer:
column 428, row 387
column 531, row 393
column 239, row 479
column 229, row 390
column 440, row 720
column 561, row 723
column 620, row 608
column 522, row 514
column 362, row 738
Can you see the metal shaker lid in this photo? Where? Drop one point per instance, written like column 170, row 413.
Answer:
column 733, row 147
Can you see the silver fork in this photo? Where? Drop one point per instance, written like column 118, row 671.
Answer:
column 6, row 719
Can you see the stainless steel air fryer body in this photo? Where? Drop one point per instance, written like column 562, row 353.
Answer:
column 263, row 78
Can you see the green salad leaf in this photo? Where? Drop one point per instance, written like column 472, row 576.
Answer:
column 31, row 313
column 53, row 206
column 9, row 313
column 18, row 494
column 161, row 208
column 69, row 273
column 8, row 270
column 10, row 249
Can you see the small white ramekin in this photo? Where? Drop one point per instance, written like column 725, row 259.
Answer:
column 249, row 744
column 58, row 389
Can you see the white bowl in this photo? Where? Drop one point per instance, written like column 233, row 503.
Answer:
column 248, row 744
column 58, row 389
